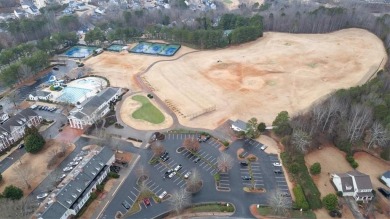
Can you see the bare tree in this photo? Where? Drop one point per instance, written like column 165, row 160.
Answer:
column 14, row 98
column 225, row 162
column 191, row 144
column 378, row 135
column 179, row 200
column 278, row 202
column 300, row 140
column 157, row 148
column 24, row 72
column 52, row 157
column 359, row 118
column 194, row 182
column 24, row 174
column 23, row 208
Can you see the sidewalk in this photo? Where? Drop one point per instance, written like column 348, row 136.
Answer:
column 2, row 157
column 110, row 194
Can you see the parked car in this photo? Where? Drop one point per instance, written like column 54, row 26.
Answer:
column 146, row 201
column 246, row 177
column 285, row 194
column 126, row 205
column 43, row 195
column 171, row 175
column 165, row 158
column 263, row 147
column 150, row 96
column 74, row 163
column 164, row 154
column 187, row 175
column 203, row 138
column 62, row 176
column 55, row 68
column 77, row 158
column 178, row 167
column 277, row 164
column 33, row 107
column 197, row 160
column 278, row 171
column 67, row 169
column 162, row 195
column 243, row 163
column 169, row 172
column 384, row 192
column 21, row 146
column 335, row 213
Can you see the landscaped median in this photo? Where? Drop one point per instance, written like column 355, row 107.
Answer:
column 206, row 209
column 266, row 211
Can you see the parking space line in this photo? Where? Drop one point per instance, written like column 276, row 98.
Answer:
column 133, row 193
column 158, row 190
column 176, row 179
column 208, row 168
column 135, row 189
column 131, row 199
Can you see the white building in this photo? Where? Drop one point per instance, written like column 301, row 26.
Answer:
column 354, row 183
column 40, row 95
column 91, row 110
column 14, row 128
column 386, row 178
column 78, row 185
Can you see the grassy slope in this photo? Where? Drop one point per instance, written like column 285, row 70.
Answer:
column 147, row 111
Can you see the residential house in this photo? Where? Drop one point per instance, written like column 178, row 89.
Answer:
column 355, row 184
column 40, row 95
column 239, row 126
column 93, row 109
column 3, row 117
column 78, row 185
column 14, row 128
column 386, row 178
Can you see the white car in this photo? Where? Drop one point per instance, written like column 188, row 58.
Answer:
column 171, row 175
column 277, row 164
column 264, row 147
column 77, row 158
column 43, row 195
column 187, row 175
column 163, row 194
column 66, row 169
column 74, row 163
column 178, row 167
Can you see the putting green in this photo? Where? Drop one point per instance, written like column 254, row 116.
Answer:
column 147, row 111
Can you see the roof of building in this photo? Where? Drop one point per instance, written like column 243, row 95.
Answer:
column 18, row 120
column 386, row 174
column 89, row 106
column 362, row 180
column 40, row 93
column 346, row 183
column 364, row 194
column 55, row 210
column 240, row 124
column 82, row 178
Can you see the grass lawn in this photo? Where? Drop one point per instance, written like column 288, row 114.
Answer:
column 267, row 211
column 228, row 1
column 148, row 111
column 212, row 208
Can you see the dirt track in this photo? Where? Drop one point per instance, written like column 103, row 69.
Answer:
column 277, row 72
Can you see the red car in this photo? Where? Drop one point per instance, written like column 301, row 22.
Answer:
column 146, row 201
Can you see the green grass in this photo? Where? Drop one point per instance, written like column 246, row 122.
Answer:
column 212, row 208
column 228, row 1
column 267, row 211
column 147, row 111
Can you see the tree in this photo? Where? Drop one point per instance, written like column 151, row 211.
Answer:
column 252, row 129
column 359, row 118
column 24, row 174
column 261, row 127
column 12, row 192
column 330, row 202
column 278, row 202
column 34, row 142
column 157, row 148
column 315, row 168
column 225, row 162
column 1, row 177
column 194, row 181
column 179, row 200
column 300, row 140
column 191, row 144
column 281, row 124
column 378, row 135
column 22, row 209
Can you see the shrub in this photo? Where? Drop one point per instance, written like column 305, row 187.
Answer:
column 315, row 168
column 354, row 164
column 34, row 142
column 113, row 175
column 93, row 196
column 1, row 177
column 330, row 202
column 100, row 187
column 339, row 194
column 294, row 168
column 217, row 177
column 225, row 143
column 385, row 154
column 300, row 199
column 12, row 192
column 352, row 161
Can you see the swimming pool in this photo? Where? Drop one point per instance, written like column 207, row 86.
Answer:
column 156, row 48
column 80, row 51
column 73, row 94
column 115, row 47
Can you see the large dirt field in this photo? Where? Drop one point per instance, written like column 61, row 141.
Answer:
column 259, row 79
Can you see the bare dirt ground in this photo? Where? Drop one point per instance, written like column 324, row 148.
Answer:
column 37, row 163
column 120, row 68
column 129, row 106
column 277, row 72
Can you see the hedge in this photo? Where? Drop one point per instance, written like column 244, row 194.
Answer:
column 300, row 200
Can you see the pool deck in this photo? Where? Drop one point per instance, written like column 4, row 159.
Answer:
column 98, row 84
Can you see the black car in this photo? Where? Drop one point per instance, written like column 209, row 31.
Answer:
column 55, row 68
column 335, row 213
column 169, row 172
column 242, row 163
column 285, row 194
column 150, row 96
column 278, row 171
column 246, row 177
column 165, row 158
column 21, row 146
column 164, row 155
column 126, row 205
column 384, row 192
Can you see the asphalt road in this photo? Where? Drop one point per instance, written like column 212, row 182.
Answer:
column 265, row 177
